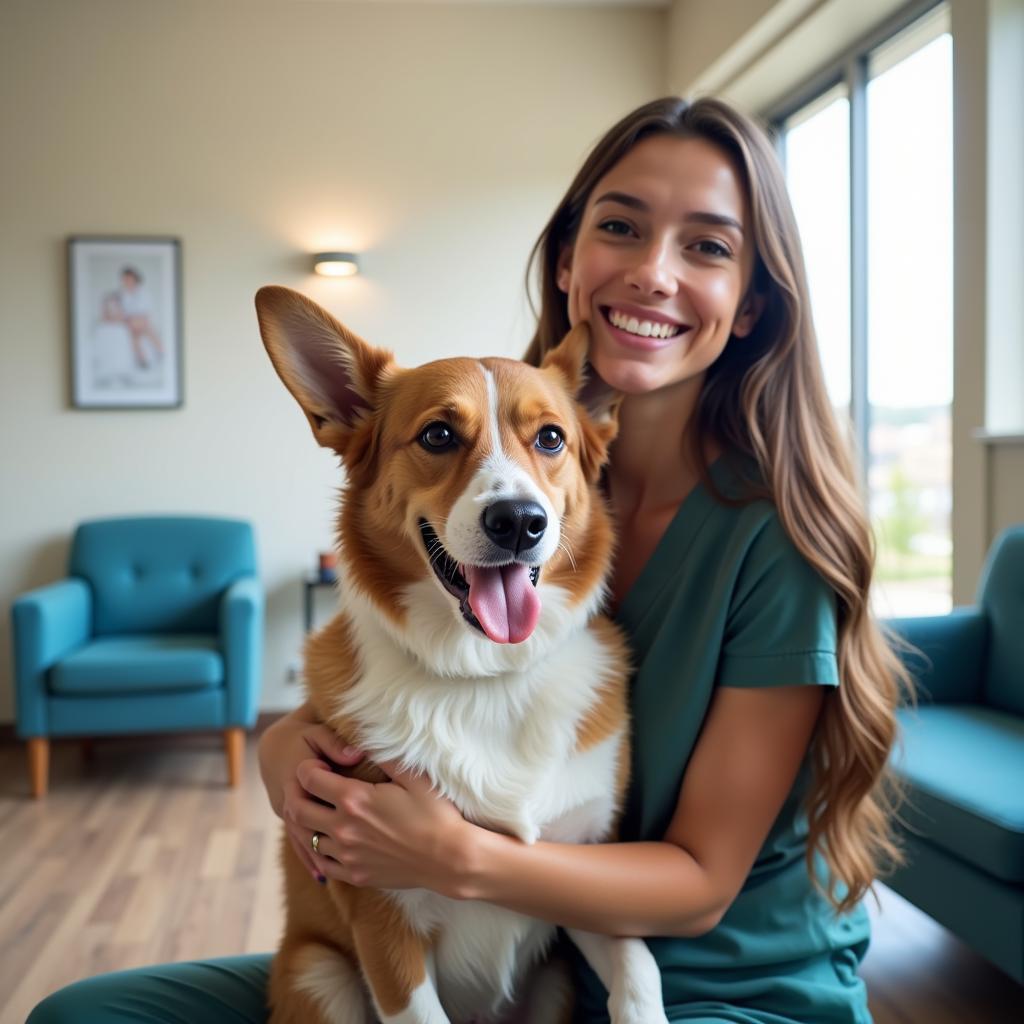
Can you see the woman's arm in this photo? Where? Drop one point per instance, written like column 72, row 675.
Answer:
column 610, row 888
column 741, row 771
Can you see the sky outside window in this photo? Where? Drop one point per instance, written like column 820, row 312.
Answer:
column 910, row 322
column 818, row 175
column 910, row 230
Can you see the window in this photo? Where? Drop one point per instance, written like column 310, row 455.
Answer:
column 869, row 168
column 818, row 175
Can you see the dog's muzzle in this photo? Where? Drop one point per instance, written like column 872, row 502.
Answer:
column 498, row 600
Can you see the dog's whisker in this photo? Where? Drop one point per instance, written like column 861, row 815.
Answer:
column 438, row 559
column 565, row 547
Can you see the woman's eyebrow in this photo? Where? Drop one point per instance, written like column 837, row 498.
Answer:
column 697, row 217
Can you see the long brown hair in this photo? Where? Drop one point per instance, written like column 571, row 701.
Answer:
column 766, row 398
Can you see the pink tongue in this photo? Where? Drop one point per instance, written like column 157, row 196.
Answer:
column 504, row 601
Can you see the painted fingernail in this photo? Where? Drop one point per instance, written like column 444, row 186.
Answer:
column 349, row 751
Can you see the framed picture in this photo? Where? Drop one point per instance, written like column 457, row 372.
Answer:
column 125, row 314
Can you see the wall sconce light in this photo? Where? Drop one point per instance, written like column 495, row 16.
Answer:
column 336, row 264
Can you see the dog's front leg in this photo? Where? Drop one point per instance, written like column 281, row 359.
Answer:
column 393, row 959
column 629, row 971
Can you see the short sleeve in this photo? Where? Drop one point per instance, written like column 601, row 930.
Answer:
column 781, row 624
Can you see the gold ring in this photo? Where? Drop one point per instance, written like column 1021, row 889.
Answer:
column 316, row 841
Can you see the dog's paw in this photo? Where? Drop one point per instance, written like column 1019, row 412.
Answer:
column 633, row 1011
column 640, row 1015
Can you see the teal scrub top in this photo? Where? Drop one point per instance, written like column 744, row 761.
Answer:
column 727, row 600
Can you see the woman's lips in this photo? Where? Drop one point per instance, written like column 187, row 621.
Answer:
column 638, row 341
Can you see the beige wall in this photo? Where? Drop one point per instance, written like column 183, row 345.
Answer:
column 1006, row 473
column 434, row 139
column 702, row 33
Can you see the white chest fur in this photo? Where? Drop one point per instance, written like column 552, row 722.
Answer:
column 502, row 747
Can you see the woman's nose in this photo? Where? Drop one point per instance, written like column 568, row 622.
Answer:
column 655, row 270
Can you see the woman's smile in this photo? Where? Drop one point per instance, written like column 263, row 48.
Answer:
column 644, row 335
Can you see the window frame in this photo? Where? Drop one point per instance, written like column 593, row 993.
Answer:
column 851, row 70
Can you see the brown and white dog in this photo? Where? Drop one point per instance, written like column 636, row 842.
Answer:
column 468, row 645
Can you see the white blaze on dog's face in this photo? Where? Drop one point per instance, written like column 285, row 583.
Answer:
column 478, row 475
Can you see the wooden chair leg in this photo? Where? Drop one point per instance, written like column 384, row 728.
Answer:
column 39, row 765
column 234, row 748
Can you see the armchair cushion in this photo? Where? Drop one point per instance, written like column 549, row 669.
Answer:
column 140, row 664
column 948, row 654
column 964, row 764
column 160, row 574
column 1001, row 595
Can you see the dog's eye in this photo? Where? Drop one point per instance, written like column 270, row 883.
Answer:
column 550, row 439
column 437, row 437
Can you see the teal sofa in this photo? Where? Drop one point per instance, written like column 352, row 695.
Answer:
column 963, row 763
column 157, row 628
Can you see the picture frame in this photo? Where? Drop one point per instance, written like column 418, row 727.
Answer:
column 125, row 322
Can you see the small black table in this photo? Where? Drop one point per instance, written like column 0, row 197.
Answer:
column 310, row 583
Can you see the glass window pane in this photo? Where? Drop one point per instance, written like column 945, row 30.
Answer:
column 910, row 328
column 818, row 176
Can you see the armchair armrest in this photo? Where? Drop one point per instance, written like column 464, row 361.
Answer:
column 947, row 654
column 46, row 624
column 241, row 630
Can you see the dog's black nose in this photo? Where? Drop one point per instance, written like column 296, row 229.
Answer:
column 515, row 525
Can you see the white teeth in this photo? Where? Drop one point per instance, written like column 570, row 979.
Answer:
column 643, row 328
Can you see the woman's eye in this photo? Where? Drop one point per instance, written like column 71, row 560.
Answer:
column 711, row 248
column 437, row 437
column 550, row 439
column 615, row 227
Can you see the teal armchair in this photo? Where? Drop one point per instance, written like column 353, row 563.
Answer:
column 963, row 763
column 157, row 628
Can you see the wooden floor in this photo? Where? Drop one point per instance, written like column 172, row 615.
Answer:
column 142, row 854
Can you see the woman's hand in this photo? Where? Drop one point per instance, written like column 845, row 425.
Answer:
column 287, row 743
column 397, row 835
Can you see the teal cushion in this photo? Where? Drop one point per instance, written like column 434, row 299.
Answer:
column 1001, row 595
column 160, row 574
column 139, row 664
column 985, row 912
column 964, row 764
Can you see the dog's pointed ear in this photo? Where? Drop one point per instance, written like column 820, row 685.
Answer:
column 569, row 360
column 331, row 372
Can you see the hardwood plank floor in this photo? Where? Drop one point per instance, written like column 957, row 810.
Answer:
column 142, row 854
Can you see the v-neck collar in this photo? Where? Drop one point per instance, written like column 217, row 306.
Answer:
column 661, row 567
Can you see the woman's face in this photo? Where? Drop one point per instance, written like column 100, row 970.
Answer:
column 661, row 263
